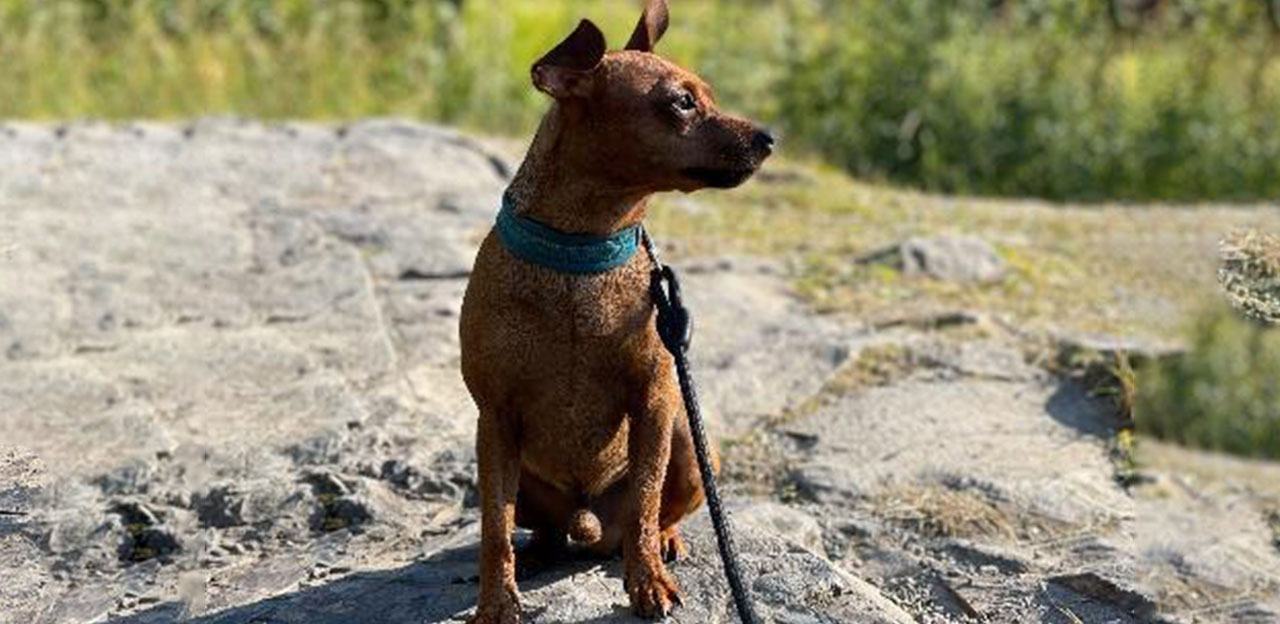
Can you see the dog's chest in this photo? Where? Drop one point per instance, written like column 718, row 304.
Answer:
column 584, row 308
column 608, row 306
column 586, row 332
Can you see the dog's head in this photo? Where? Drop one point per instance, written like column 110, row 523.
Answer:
column 647, row 123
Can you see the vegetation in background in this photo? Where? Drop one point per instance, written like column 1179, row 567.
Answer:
column 1060, row 99
column 1057, row 98
column 1224, row 394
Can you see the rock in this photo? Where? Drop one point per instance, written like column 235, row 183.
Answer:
column 135, row 513
column 221, row 507
column 145, row 543
column 789, row 584
column 322, row 448
column 326, row 484
column 978, row 472
column 132, row 478
column 343, row 513
column 78, row 605
column 271, row 404
column 1107, row 591
column 1206, row 544
column 1075, row 347
column 25, row 578
column 367, row 504
column 982, row 430
column 950, row 258
column 757, row 350
column 789, row 522
column 401, row 474
column 978, row 555
column 987, row 359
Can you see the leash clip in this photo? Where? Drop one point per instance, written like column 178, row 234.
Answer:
column 675, row 325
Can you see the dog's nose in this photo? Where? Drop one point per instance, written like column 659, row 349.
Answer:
column 764, row 141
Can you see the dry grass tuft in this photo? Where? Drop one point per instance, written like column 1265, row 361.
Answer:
column 935, row 511
column 1250, row 274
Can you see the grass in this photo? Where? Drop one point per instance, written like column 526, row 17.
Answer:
column 1065, row 99
column 454, row 62
column 1121, row 270
column 1118, row 269
column 1223, row 394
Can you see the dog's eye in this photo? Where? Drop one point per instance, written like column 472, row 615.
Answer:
column 686, row 104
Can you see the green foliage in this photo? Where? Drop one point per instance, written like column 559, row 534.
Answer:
column 446, row 60
column 1224, row 394
column 1078, row 99
column 1048, row 98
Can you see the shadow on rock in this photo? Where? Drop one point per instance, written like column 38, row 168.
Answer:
column 440, row 589
column 1071, row 405
column 789, row 583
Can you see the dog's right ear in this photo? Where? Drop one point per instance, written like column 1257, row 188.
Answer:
column 567, row 70
column 653, row 23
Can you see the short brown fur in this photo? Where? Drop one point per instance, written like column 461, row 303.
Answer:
column 582, row 431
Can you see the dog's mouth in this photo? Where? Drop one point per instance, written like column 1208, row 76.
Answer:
column 720, row 178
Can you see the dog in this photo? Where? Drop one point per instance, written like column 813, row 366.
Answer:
column 582, row 432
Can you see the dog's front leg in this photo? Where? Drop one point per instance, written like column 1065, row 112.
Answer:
column 651, row 587
column 498, row 453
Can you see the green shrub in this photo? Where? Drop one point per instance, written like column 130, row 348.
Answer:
column 1224, row 394
column 1067, row 99
column 1050, row 99
column 445, row 60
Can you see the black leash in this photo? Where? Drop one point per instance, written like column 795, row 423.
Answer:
column 675, row 327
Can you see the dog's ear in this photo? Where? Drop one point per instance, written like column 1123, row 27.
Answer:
column 566, row 71
column 653, row 23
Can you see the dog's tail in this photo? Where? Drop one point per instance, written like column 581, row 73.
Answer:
column 584, row 527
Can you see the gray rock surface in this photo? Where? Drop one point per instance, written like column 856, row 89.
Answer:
column 229, row 393
column 791, row 584
column 1005, row 478
column 950, row 258
column 758, row 349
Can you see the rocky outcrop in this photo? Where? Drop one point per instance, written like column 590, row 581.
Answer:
column 229, row 393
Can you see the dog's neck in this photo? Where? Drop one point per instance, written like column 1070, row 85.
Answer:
column 557, row 186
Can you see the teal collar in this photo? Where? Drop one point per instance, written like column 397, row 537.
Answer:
column 559, row 251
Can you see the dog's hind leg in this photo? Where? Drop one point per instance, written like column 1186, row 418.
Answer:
column 548, row 512
column 682, row 494
column 498, row 454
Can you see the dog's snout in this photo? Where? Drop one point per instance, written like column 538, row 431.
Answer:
column 764, row 141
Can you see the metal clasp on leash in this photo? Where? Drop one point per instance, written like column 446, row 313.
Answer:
column 675, row 325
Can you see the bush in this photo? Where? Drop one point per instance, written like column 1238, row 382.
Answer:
column 1048, row 99
column 1065, row 99
column 1224, row 394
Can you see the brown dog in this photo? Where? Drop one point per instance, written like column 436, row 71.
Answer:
column 582, row 432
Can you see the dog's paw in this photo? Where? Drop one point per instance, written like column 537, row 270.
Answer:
column 653, row 592
column 673, row 546
column 501, row 609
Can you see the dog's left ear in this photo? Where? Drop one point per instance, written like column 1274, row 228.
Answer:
column 567, row 70
column 653, row 23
